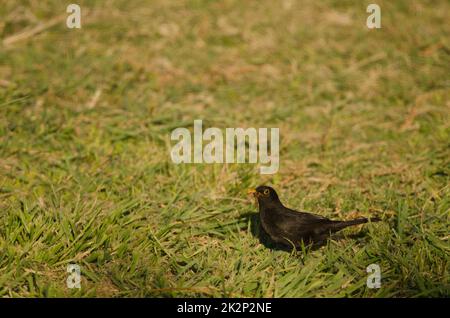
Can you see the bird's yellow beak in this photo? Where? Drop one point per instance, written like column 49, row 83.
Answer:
column 254, row 193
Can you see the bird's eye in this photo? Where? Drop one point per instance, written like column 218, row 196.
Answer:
column 266, row 192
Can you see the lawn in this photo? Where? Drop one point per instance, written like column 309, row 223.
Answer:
column 86, row 176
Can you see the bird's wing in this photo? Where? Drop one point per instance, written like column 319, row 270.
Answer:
column 304, row 215
column 295, row 223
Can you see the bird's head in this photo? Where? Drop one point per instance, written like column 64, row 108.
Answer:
column 265, row 195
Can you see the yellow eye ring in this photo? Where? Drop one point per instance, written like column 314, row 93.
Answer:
column 266, row 192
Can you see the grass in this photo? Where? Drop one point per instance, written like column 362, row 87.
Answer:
column 85, row 123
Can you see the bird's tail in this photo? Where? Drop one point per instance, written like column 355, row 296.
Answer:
column 339, row 225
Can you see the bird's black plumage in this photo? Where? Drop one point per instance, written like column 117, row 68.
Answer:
column 290, row 227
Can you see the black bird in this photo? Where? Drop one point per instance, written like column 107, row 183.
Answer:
column 290, row 227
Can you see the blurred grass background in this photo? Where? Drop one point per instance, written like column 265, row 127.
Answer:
column 85, row 122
